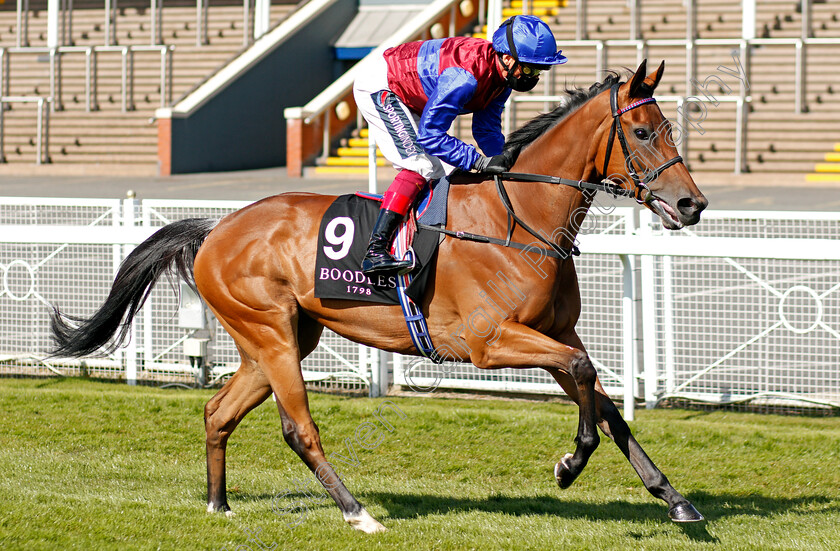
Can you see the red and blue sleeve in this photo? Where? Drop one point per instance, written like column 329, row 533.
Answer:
column 487, row 126
column 455, row 87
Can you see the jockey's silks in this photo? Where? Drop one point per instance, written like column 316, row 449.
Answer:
column 444, row 78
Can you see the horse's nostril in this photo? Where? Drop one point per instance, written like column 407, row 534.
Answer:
column 689, row 205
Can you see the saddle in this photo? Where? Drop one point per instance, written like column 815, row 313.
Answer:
column 343, row 238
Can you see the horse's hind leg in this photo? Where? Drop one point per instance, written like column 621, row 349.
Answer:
column 247, row 389
column 278, row 337
column 614, row 426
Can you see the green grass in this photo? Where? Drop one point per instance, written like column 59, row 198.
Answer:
column 89, row 465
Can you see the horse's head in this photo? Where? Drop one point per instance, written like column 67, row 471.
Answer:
column 640, row 153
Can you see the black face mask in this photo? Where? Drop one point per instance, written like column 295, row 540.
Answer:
column 520, row 83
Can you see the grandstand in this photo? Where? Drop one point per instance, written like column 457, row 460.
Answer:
column 108, row 131
column 784, row 121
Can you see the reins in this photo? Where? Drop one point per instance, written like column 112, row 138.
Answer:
column 641, row 192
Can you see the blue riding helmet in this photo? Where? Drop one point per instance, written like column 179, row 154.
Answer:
column 528, row 40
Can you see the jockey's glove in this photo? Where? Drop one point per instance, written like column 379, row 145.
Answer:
column 495, row 164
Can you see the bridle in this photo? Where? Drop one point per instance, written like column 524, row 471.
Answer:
column 641, row 192
column 640, row 185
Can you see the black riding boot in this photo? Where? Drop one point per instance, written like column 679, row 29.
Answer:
column 378, row 258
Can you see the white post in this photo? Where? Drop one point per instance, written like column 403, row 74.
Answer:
column 398, row 367
column 580, row 25
column 53, row 16
column 651, row 339
column 641, row 51
column 366, row 361
column 635, row 19
column 682, row 146
column 131, row 350
column 2, row 130
column 165, row 68
column 148, row 317
column 494, row 17
column 55, row 79
column 127, row 79
column 807, row 31
column 628, row 327
column 107, row 22
column 748, row 19
column 649, row 330
column 154, row 21
column 800, row 96
column 39, row 128
column 4, row 73
column 110, row 22
column 668, row 322
column 90, row 80
column 246, row 21
column 262, row 17
column 690, row 53
column 745, row 52
column 46, row 129
column 22, row 29
column 201, row 22
column 378, row 382
column 600, row 60
column 740, row 130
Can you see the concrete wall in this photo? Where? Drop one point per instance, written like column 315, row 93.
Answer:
column 242, row 126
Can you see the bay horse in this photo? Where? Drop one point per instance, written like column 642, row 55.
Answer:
column 255, row 269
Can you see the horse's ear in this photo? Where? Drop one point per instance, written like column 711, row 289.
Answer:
column 637, row 81
column 653, row 79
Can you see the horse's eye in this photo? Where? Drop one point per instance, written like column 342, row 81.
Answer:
column 641, row 133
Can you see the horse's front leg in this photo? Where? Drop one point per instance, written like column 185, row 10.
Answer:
column 614, row 426
column 518, row 345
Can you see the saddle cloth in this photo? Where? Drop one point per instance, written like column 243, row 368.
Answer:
column 343, row 238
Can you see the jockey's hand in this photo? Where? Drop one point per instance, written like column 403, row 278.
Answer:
column 495, row 164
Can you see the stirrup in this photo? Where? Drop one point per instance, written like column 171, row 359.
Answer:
column 385, row 263
column 411, row 255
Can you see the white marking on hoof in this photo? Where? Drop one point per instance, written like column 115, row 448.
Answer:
column 364, row 522
column 565, row 460
column 212, row 509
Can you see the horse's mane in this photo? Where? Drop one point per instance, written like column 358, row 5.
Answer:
column 542, row 123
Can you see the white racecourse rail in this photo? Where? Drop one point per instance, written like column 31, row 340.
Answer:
column 744, row 306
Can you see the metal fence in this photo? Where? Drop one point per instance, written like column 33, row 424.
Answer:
column 744, row 306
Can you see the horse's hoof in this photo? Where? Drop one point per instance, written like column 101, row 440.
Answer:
column 685, row 512
column 220, row 509
column 563, row 473
column 364, row 522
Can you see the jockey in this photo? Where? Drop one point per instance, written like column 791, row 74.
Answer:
column 411, row 95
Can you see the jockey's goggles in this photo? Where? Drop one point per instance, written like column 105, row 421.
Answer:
column 531, row 70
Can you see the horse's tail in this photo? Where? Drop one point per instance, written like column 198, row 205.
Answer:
column 171, row 249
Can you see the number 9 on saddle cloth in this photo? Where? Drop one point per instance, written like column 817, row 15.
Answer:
column 343, row 239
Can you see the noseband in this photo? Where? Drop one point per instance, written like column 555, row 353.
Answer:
column 641, row 185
